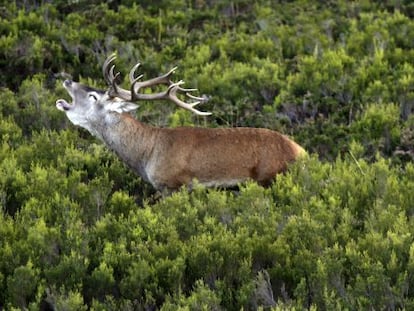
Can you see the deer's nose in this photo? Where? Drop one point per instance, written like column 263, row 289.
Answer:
column 67, row 83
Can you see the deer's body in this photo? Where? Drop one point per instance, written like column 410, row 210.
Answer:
column 169, row 158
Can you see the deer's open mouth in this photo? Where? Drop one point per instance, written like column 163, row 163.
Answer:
column 63, row 105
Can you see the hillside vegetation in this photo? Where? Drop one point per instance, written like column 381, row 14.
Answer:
column 79, row 231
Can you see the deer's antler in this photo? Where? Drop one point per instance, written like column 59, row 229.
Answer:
column 134, row 94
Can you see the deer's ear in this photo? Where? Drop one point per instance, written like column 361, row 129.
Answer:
column 121, row 106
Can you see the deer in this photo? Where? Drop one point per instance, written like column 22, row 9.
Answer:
column 169, row 158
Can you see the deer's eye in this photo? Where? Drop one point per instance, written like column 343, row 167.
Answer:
column 93, row 97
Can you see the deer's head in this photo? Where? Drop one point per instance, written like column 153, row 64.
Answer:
column 90, row 105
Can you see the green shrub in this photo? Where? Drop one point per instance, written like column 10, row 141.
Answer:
column 78, row 230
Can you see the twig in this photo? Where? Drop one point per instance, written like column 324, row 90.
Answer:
column 359, row 166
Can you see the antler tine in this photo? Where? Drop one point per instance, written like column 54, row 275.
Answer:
column 132, row 73
column 172, row 95
column 110, row 77
column 107, row 70
column 196, row 97
column 186, row 91
column 138, row 85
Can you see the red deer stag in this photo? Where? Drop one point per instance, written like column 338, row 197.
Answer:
column 171, row 157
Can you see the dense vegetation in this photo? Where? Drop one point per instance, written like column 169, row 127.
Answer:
column 78, row 231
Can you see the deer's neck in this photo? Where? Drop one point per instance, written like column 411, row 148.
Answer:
column 131, row 140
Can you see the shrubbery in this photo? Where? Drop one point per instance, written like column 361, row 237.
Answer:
column 78, row 231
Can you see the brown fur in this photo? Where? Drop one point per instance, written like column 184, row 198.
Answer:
column 169, row 158
column 214, row 157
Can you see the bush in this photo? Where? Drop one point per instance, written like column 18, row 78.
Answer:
column 79, row 231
